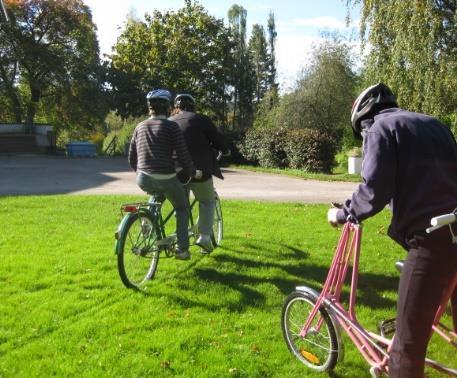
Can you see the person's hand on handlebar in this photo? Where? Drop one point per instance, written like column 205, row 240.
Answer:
column 184, row 178
column 332, row 214
column 198, row 174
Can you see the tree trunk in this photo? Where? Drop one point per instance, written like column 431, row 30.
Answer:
column 235, row 104
column 32, row 108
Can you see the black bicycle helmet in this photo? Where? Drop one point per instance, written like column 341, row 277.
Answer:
column 370, row 101
column 184, row 99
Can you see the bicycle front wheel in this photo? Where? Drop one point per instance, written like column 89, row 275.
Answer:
column 137, row 253
column 318, row 349
column 218, row 223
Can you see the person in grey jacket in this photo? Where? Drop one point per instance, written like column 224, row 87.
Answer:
column 410, row 162
column 202, row 138
column 154, row 144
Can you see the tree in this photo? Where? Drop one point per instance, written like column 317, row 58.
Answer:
column 272, row 34
column 185, row 51
column 260, row 61
column 243, row 85
column 413, row 48
column 49, row 52
column 323, row 96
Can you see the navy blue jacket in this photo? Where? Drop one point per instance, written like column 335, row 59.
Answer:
column 410, row 161
column 202, row 138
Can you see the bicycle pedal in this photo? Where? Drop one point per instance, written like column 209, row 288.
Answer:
column 387, row 328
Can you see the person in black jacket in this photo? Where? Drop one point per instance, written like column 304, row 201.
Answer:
column 202, row 139
column 155, row 143
column 410, row 162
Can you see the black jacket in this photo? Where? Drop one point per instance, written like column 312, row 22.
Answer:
column 202, row 139
column 410, row 160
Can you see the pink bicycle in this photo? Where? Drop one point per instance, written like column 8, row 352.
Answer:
column 312, row 322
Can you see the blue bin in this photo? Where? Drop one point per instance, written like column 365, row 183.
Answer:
column 81, row 149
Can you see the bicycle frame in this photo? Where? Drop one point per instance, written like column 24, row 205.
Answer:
column 373, row 347
column 163, row 220
column 155, row 207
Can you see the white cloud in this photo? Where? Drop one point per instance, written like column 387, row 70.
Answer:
column 292, row 55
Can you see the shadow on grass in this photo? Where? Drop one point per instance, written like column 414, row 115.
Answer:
column 246, row 275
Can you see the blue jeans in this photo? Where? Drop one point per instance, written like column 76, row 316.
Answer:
column 204, row 193
column 176, row 194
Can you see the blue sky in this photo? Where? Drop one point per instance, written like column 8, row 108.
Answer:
column 298, row 23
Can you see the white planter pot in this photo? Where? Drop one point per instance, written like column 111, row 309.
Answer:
column 354, row 165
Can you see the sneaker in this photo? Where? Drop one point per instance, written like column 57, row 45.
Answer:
column 182, row 255
column 206, row 244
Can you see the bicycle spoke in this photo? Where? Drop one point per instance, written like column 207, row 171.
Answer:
column 136, row 262
column 318, row 348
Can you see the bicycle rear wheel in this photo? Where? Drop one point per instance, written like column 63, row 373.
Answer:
column 318, row 349
column 137, row 253
column 218, row 223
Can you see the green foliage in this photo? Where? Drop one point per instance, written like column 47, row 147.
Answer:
column 189, row 50
column 310, row 150
column 272, row 35
column 265, row 147
column 50, row 48
column 354, row 152
column 322, row 97
column 413, row 49
column 185, row 51
column 306, row 149
column 260, row 61
column 243, row 71
column 122, row 130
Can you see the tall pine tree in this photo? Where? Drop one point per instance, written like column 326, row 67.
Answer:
column 242, row 73
column 260, row 62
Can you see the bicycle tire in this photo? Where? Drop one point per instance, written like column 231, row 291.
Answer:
column 218, row 223
column 318, row 350
column 137, row 254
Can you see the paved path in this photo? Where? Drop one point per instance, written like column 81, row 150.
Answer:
column 36, row 174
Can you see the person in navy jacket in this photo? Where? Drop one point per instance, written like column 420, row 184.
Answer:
column 203, row 139
column 410, row 163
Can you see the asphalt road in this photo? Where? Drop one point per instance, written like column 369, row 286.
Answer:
column 38, row 174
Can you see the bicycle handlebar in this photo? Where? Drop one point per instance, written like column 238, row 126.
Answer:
column 219, row 154
column 442, row 220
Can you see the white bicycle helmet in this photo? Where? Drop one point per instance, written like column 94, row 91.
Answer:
column 159, row 94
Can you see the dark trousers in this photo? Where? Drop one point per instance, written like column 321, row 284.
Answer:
column 428, row 271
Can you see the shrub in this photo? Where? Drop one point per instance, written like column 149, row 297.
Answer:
column 307, row 149
column 123, row 136
column 98, row 139
column 265, row 147
column 310, row 150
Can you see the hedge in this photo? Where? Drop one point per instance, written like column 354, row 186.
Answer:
column 307, row 149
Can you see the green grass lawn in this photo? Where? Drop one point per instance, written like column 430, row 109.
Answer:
column 65, row 312
column 337, row 175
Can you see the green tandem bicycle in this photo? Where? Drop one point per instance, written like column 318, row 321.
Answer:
column 146, row 234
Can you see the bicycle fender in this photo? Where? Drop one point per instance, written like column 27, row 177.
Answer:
column 122, row 229
column 315, row 294
column 118, row 235
column 307, row 289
